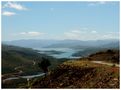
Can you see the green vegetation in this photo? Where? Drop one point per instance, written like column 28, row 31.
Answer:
column 17, row 61
column 16, row 58
column 80, row 73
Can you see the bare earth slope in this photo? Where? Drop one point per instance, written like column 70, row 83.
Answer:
column 81, row 74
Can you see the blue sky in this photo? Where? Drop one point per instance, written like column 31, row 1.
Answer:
column 60, row 20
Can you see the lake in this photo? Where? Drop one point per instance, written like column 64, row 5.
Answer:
column 64, row 52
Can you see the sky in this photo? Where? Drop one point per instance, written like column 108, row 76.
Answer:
column 60, row 20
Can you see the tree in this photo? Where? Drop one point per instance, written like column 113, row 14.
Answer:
column 45, row 63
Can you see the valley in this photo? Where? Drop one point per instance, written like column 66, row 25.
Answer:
column 60, row 44
column 20, row 64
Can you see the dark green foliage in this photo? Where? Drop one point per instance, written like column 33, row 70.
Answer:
column 16, row 59
column 45, row 63
column 110, row 51
column 14, row 56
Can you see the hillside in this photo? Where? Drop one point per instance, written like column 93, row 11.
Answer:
column 91, row 50
column 82, row 73
column 18, row 59
column 108, row 55
column 98, row 70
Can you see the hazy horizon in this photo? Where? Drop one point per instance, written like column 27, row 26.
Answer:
column 60, row 20
column 62, row 40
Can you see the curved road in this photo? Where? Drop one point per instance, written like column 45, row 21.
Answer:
column 26, row 77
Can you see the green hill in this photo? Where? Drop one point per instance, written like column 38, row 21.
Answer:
column 16, row 59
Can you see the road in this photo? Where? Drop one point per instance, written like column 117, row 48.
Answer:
column 26, row 77
column 106, row 63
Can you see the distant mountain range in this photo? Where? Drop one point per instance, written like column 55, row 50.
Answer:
column 31, row 43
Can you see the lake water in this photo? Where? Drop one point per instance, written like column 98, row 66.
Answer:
column 66, row 52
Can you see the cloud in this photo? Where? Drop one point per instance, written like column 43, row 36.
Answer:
column 7, row 13
column 74, row 34
column 14, row 6
column 111, row 35
column 102, row 2
column 91, row 4
column 89, row 35
column 71, row 35
column 97, row 3
column 31, row 34
column 75, row 31
column 94, row 31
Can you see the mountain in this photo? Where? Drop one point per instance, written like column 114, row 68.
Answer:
column 16, row 59
column 115, row 45
column 90, row 50
column 76, row 44
column 84, row 73
column 98, row 46
column 31, row 43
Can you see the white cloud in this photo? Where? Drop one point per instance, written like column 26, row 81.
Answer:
column 102, row 2
column 75, row 31
column 32, row 34
column 91, row 4
column 23, row 33
column 7, row 13
column 89, row 35
column 74, row 34
column 111, row 35
column 71, row 35
column 14, row 6
column 94, row 31
column 97, row 3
